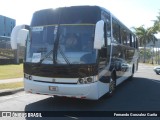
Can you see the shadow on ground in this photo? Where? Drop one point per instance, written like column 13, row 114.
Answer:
column 139, row 94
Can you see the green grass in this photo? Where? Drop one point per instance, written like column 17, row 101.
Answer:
column 11, row 85
column 11, row 71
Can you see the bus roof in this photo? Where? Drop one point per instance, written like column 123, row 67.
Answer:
column 67, row 15
column 71, row 15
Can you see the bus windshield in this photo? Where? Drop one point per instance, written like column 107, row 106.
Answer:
column 75, row 44
column 40, row 42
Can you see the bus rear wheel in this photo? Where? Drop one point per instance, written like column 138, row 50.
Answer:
column 112, row 84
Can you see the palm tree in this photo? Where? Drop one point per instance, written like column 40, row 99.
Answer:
column 157, row 23
column 157, row 28
column 145, row 36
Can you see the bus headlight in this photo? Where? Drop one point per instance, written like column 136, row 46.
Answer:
column 30, row 77
column 81, row 80
column 85, row 80
column 27, row 76
column 89, row 80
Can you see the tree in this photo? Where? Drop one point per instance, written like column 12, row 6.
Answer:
column 148, row 54
column 145, row 36
column 156, row 27
column 157, row 23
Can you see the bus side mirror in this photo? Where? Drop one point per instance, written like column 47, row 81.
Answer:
column 18, row 36
column 22, row 37
column 99, row 35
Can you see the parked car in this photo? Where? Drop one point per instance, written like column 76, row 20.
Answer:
column 157, row 70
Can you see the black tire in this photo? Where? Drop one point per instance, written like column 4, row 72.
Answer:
column 130, row 78
column 112, row 85
column 157, row 72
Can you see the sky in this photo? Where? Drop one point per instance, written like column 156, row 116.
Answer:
column 133, row 13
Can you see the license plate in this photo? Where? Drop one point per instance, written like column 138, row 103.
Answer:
column 53, row 88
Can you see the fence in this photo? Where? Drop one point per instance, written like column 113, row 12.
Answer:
column 152, row 55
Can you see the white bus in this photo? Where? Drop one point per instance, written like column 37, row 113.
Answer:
column 79, row 52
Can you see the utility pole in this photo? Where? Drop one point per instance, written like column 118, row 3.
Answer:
column 152, row 52
column 158, row 55
column 16, row 56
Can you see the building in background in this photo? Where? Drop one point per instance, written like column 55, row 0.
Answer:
column 6, row 25
column 7, row 55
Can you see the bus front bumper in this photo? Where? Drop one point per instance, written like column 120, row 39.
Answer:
column 83, row 91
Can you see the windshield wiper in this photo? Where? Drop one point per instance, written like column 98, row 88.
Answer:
column 46, row 56
column 63, row 55
column 50, row 52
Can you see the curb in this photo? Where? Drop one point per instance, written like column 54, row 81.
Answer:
column 10, row 91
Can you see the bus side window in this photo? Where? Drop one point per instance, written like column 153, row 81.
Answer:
column 102, row 58
column 106, row 18
column 128, row 39
column 131, row 40
column 136, row 43
column 103, row 53
column 132, row 44
column 116, row 31
column 123, row 36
